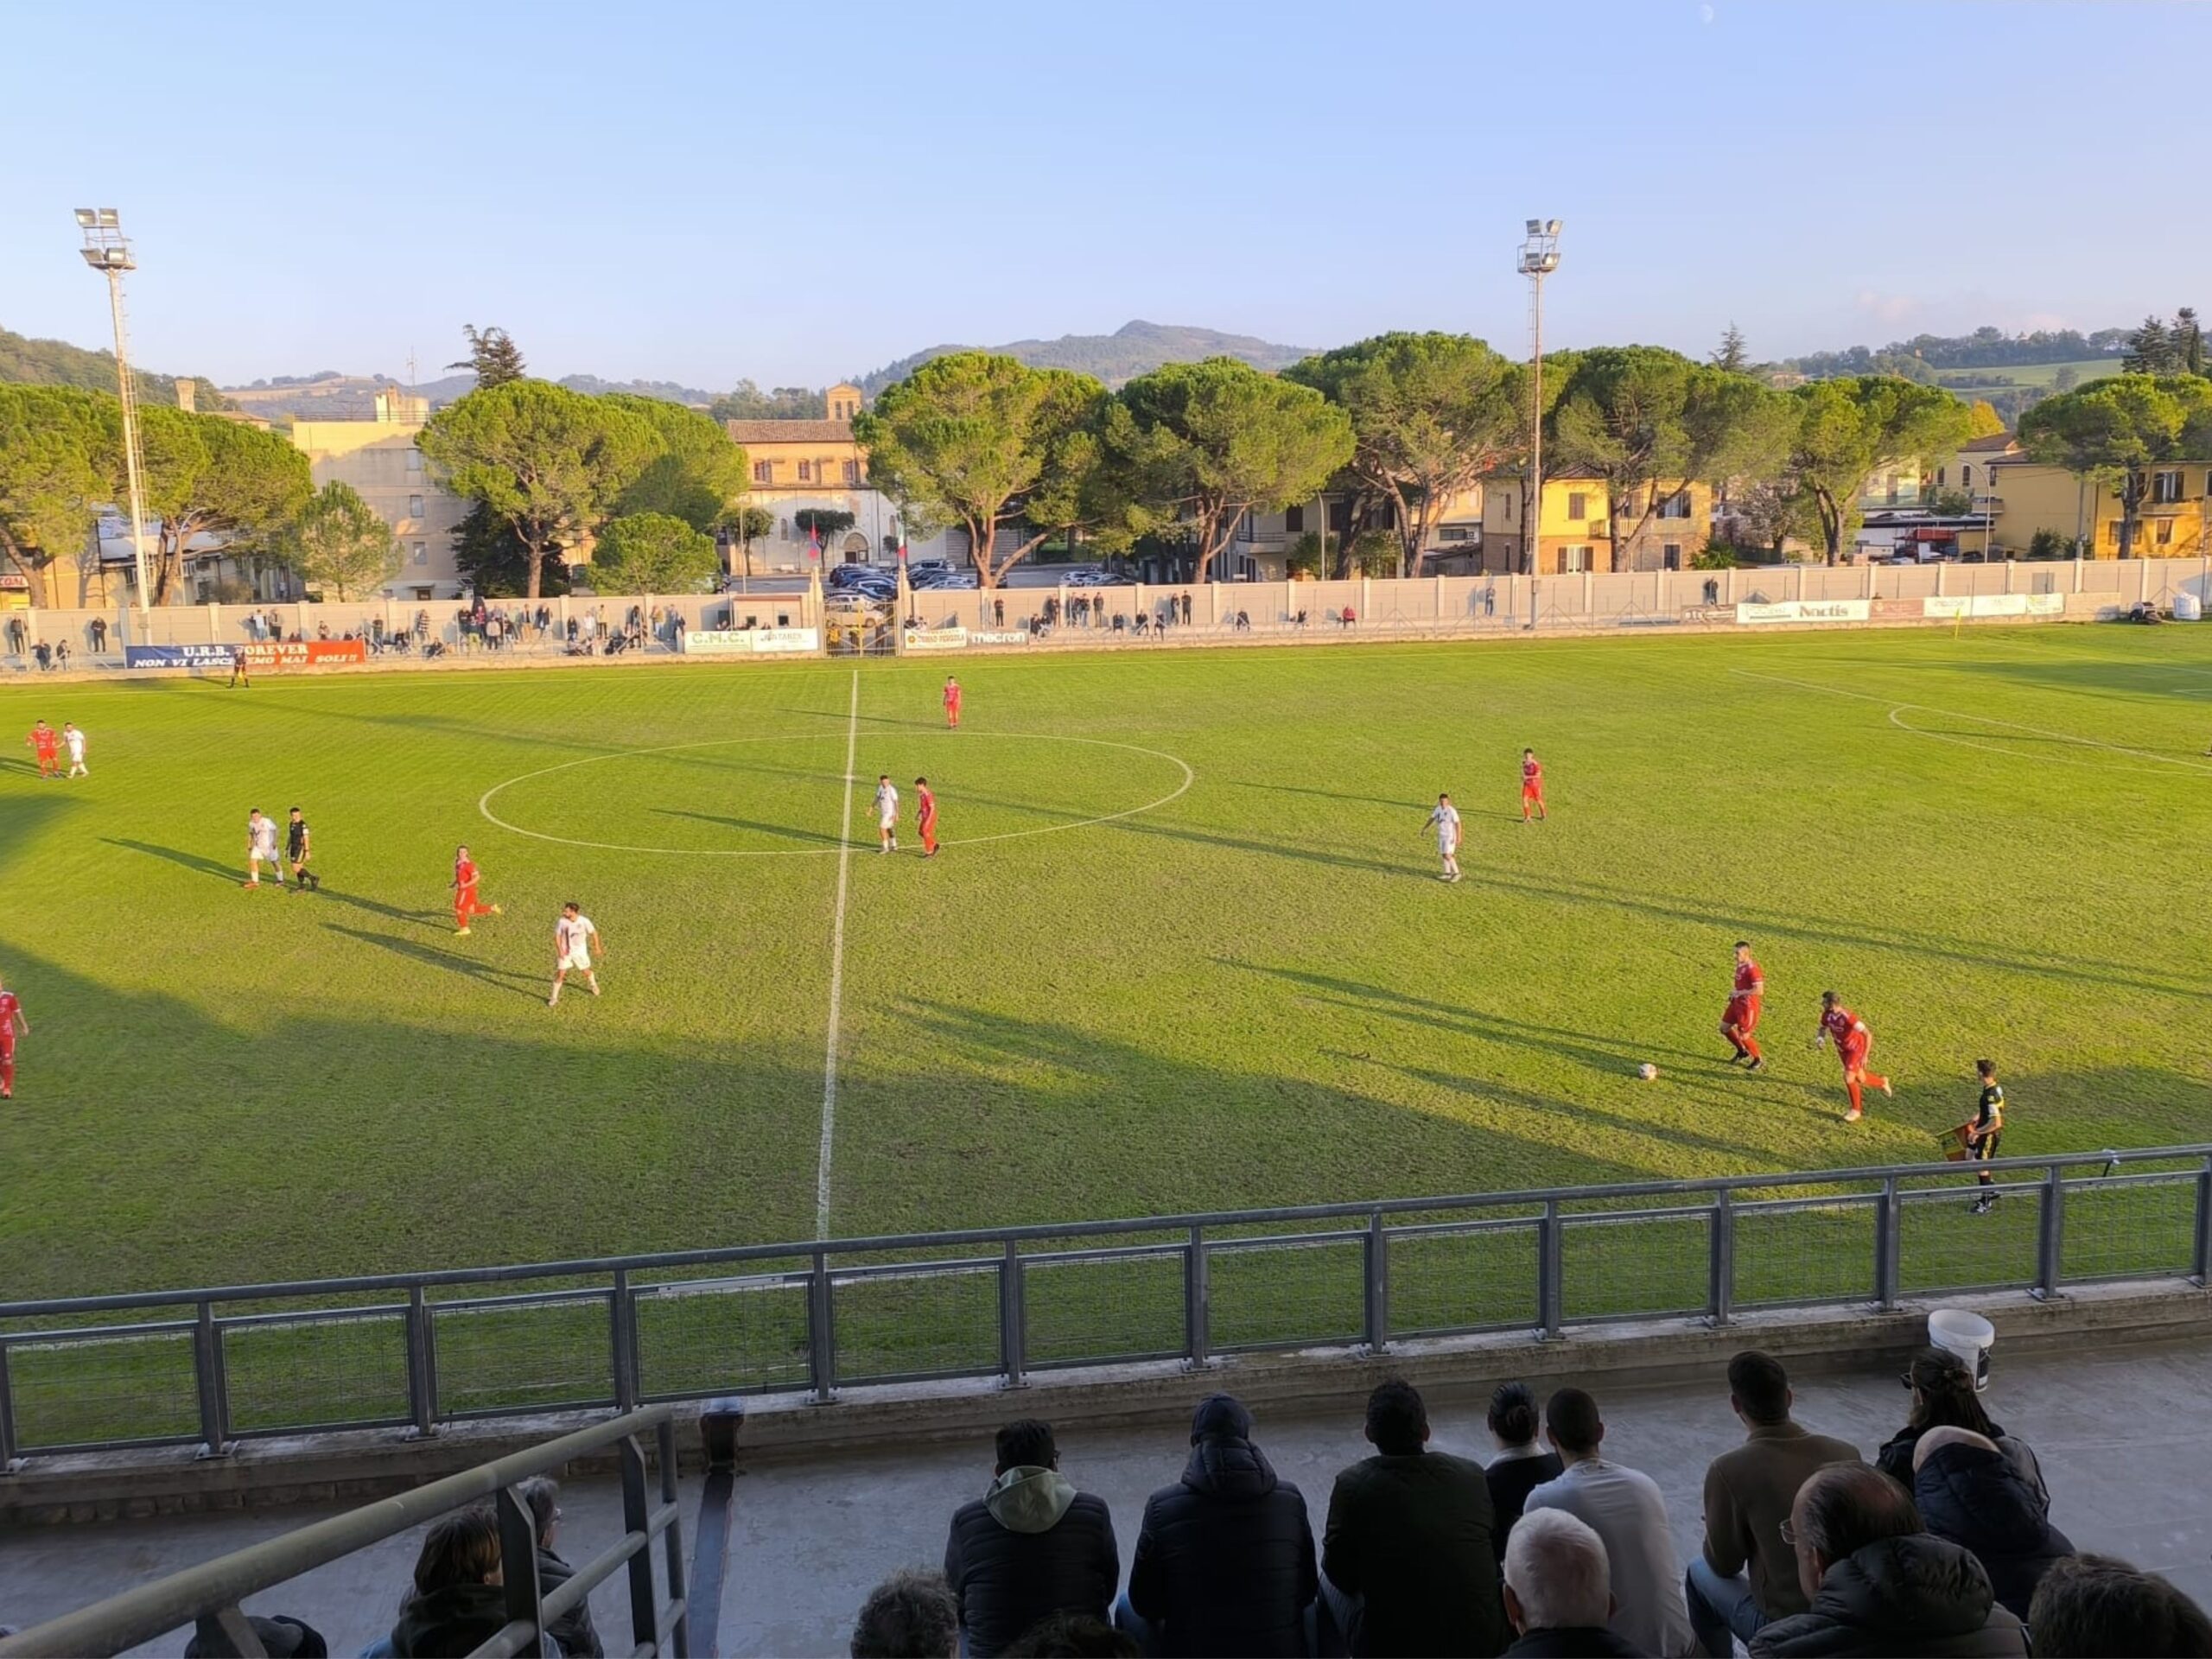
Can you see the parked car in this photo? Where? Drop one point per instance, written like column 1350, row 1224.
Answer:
column 853, row 575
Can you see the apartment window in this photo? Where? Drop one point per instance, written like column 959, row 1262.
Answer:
column 414, row 506
column 1578, row 505
column 414, row 463
column 852, row 472
column 1940, row 479
column 1573, row 560
column 1965, row 477
column 421, row 553
column 1293, row 521
column 2165, row 488
column 764, row 472
column 1456, row 533
column 2165, row 532
column 1671, row 555
column 806, row 471
column 1676, row 506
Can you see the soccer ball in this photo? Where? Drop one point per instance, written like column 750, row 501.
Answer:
column 1647, row 1070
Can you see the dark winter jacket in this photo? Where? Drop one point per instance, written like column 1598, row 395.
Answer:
column 449, row 1622
column 1895, row 1460
column 1581, row 1641
column 1915, row 1595
column 1033, row 1547
column 1412, row 1534
column 1225, row 1563
column 573, row 1630
column 1979, row 1501
column 1512, row 1476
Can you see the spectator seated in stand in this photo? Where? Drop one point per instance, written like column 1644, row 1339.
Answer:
column 1745, row 1576
column 1408, row 1563
column 1298, row 621
column 1944, row 1397
column 1031, row 1546
column 1522, row 1465
column 1877, row 1583
column 1971, row 1493
column 1558, row 1591
column 1073, row 1635
column 1224, row 1562
column 280, row 1638
column 455, row 1604
column 1349, row 617
column 909, row 1616
column 573, row 1630
column 1244, row 622
column 2097, row 1607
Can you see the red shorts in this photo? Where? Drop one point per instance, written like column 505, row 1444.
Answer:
column 1743, row 1013
column 1852, row 1052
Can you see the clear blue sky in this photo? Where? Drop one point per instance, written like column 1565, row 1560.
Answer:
column 698, row 192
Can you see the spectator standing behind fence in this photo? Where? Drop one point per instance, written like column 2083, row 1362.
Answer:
column 1944, row 1397
column 1746, row 1577
column 909, row 1616
column 2098, row 1607
column 455, row 1604
column 573, row 1630
column 1971, row 1493
column 1030, row 1547
column 1522, row 1464
column 1624, row 1508
column 1225, row 1563
column 1877, row 1583
column 1558, row 1592
column 1408, row 1558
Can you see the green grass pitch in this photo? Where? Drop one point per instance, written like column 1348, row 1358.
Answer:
column 1246, row 988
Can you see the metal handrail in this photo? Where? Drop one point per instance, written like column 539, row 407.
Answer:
column 217, row 1587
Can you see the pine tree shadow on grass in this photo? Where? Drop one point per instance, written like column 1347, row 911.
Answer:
column 195, row 862
column 448, row 961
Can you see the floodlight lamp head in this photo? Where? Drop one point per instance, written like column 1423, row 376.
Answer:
column 1536, row 225
column 86, row 218
column 109, row 221
column 1551, row 227
column 95, row 258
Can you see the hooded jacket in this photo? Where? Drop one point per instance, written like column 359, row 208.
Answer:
column 1033, row 1546
column 1915, row 1595
column 1224, row 1562
column 449, row 1622
column 1981, row 1502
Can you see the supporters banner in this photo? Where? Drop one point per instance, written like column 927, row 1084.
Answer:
column 750, row 642
column 177, row 656
column 935, row 639
column 282, row 654
column 1808, row 610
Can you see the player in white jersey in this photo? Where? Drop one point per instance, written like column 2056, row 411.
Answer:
column 573, row 939
column 75, row 739
column 1446, row 820
column 260, row 848
column 887, row 814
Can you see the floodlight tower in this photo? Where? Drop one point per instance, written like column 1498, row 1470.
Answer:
column 107, row 249
column 1539, row 258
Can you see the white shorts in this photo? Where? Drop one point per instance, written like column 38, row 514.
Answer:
column 886, row 824
column 262, row 853
column 1447, row 848
column 576, row 961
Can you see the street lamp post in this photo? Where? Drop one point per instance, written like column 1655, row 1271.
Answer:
column 1539, row 258
column 106, row 250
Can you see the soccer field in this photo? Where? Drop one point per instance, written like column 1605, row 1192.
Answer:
column 1184, row 946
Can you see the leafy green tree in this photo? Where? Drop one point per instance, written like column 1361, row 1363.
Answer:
column 495, row 360
column 2066, row 377
column 983, row 441
column 1767, row 514
column 653, row 553
column 2117, row 429
column 2189, row 341
column 494, row 564
column 1308, row 556
column 547, row 461
column 1731, row 355
column 746, row 401
column 1982, row 419
column 698, row 473
column 1194, row 447
column 825, row 522
column 336, row 541
column 60, row 453
column 1650, row 422
column 749, row 524
column 1431, row 415
column 2151, row 349
column 208, row 476
column 2049, row 543
column 1848, row 427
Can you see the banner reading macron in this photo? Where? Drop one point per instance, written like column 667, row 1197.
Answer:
column 750, row 642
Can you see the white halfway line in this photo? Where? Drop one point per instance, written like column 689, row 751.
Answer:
column 836, row 974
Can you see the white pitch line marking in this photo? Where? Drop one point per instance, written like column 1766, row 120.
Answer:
column 836, row 974
column 1896, row 706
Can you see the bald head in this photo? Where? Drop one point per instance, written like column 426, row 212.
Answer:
column 1839, row 1511
column 1556, row 1574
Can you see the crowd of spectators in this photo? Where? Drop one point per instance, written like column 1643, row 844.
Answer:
column 1942, row 1545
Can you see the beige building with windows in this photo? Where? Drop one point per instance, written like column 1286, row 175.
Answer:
column 797, row 465
column 1583, row 528
column 378, row 458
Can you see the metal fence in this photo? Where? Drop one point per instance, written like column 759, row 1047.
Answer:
column 409, row 1352
column 215, row 1589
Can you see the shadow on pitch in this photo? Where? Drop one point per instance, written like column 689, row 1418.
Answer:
column 778, row 831
column 177, row 855
column 432, row 919
column 451, row 961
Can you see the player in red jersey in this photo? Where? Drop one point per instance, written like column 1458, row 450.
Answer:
column 1853, row 1041
column 926, row 808
column 11, row 1021
column 466, row 906
column 46, row 743
column 1532, row 785
column 951, row 701
column 1741, row 1017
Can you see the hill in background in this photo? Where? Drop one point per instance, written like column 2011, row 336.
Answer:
column 1132, row 349
column 56, row 363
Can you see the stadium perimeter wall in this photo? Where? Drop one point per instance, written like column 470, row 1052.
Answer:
column 966, row 622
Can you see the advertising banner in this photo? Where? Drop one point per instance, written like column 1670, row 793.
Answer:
column 1807, row 610
column 750, row 642
column 935, row 639
column 1951, row 606
column 1000, row 637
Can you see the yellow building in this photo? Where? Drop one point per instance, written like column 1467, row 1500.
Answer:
column 1583, row 528
column 378, row 458
column 2174, row 522
column 796, row 465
